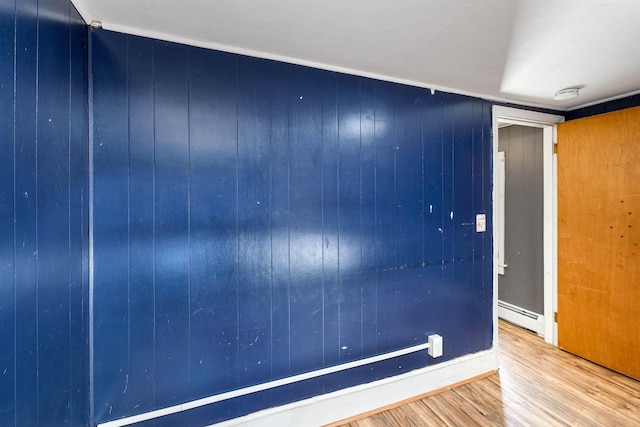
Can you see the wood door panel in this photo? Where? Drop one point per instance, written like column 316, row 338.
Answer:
column 599, row 239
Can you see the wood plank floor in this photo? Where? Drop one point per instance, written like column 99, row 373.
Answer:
column 537, row 385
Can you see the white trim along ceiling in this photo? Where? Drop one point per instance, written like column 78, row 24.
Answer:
column 520, row 51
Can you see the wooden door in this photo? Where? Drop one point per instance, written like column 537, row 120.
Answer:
column 599, row 239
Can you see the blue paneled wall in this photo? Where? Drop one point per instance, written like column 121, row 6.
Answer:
column 43, row 215
column 255, row 220
column 604, row 107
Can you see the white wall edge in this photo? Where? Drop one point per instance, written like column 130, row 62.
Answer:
column 353, row 401
column 554, row 232
column 549, row 219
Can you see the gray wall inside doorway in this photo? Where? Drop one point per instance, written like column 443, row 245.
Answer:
column 523, row 282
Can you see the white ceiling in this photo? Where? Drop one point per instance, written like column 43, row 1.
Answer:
column 511, row 50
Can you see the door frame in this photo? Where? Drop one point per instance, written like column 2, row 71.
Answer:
column 547, row 122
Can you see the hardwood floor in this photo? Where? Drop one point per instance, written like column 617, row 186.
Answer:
column 537, row 385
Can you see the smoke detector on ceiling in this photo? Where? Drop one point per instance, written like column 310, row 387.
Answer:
column 568, row 93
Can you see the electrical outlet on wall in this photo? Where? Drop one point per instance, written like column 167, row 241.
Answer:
column 481, row 223
column 435, row 345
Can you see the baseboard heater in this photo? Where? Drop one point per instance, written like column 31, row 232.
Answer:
column 521, row 317
column 518, row 310
column 261, row 387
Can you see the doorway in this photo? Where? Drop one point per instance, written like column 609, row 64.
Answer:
column 521, row 277
column 544, row 125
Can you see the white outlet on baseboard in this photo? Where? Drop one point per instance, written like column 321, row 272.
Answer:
column 435, row 345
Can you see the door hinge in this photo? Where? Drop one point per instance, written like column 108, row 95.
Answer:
column 555, row 316
column 555, row 148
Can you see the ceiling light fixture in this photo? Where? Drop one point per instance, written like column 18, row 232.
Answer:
column 568, row 93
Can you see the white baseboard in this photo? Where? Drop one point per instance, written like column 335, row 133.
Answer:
column 352, row 401
column 521, row 317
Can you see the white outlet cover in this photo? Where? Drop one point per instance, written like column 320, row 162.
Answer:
column 481, row 223
column 435, row 345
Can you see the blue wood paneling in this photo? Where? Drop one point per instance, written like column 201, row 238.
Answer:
column 43, row 214
column 279, row 222
column 487, row 185
column 110, row 267
column 26, row 221
column 464, row 217
column 349, row 218
column 78, row 220
column 330, row 248
column 432, row 146
column 141, row 389
column 213, row 216
column 385, row 209
column 368, row 216
column 254, row 237
column 253, row 220
column 448, row 290
column 272, row 219
column 409, row 214
column 53, row 225
column 463, row 224
column 605, row 107
column 7, row 214
column 172, row 231
column 305, row 225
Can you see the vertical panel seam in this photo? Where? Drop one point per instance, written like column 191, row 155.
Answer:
column 422, row 175
column 360, row 203
column 237, row 213
column 442, row 173
column 271, row 337
column 485, row 286
column 15, row 311
column 338, row 216
column 189, row 218
column 153, row 233
column 289, row 230
column 453, row 189
column 69, row 207
column 322, row 153
column 37, row 257
column 395, row 209
column 128, row 373
column 90, row 96
column 375, row 206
